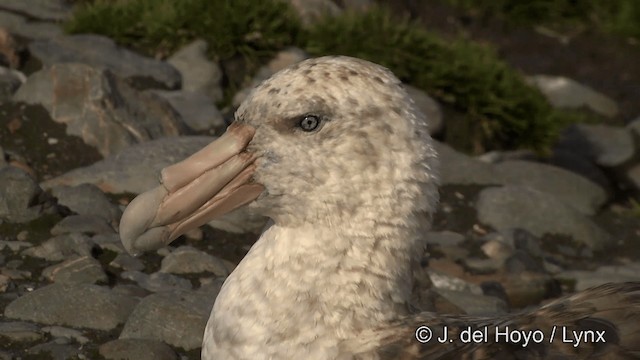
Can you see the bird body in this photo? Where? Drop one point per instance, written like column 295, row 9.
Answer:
column 334, row 151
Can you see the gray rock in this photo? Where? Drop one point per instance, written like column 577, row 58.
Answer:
column 447, row 282
column 197, row 110
column 86, row 224
column 136, row 170
column 188, row 260
column 184, row 316
column 61, row 247
column 19, row 25
column 137, row 349
column 429, row 107
column 49, row 10
column 87, row 306
column 283, row 59
column 10, row 81
column 14, row 246
column 602, row 275
column 19, row 331
column 570, row 188
column 607, row 146
column 63, row 332
column 87, row 199
column 474, row 304
column 127, row 262
column 58, row 349
column 459, row 169
column 158, row 281
column 99, row 107
column 199, row 74
column 100, row 51
column 563, row 92
column 18, row 195
column 634, row 126
column 80, row 270
column 109, row 242
column 539, row 213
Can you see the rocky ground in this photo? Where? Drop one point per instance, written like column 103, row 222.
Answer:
column 85, row 125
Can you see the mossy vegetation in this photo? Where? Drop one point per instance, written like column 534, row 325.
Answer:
column 500, row 110
column 618, row 16
column 159, row 27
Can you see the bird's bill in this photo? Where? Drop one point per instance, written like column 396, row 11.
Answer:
column 204, row 186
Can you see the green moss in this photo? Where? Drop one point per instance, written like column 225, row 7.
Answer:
column 501, row 110
column 619, row 16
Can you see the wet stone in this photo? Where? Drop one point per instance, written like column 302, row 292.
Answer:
column 63, row 332
column 57, row 349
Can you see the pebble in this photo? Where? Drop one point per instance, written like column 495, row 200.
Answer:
column 137, row 349
column 80, row 270
column 188, row 260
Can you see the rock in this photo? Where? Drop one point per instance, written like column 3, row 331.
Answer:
column 283, row 59
column 136, row 349
column 602, row 275
column 563, row 92
column 87, row 199
column 474, row 304
column 188, row 260
column 127, row 262
column 60, row 247
column 100, row 51
column 357, row 5
column 569, row 160
column 19, row 331
column 4, row 282
column 48, row 10
column 62, row 332
column 447, row 282
column 428, row 106
column 158, row 281
column 199, row 74
column 197, row 110
column 311, row 11
column 607, row 146
column 100, row 108
column 58, row 349
column 459, row 169
column 109, row 242
column 18, row 195
column 539, row 213
column 573, row 190
column 634, row 126
column 15, row 246
column 136, row 170
column 20, row 25
column 10, row 81
column 80, row 270
column 184, row 316
column 86, row 224
column 84, row 305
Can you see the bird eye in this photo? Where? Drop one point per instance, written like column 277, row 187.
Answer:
column 309, row 123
